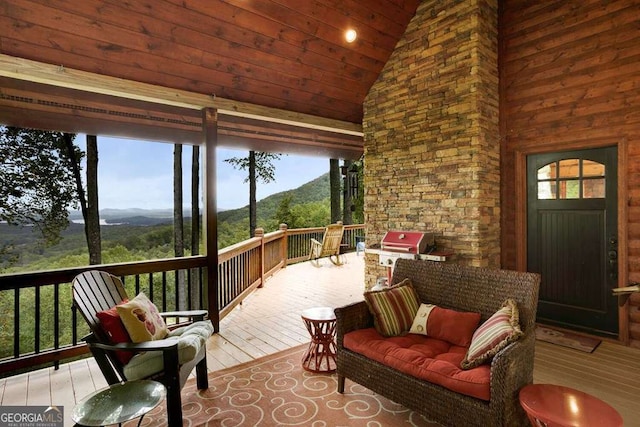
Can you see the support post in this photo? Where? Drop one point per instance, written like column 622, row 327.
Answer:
column 210, row 141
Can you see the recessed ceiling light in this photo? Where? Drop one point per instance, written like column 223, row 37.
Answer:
column 350, row 35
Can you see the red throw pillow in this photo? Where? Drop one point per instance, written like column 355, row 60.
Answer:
column 455, row 327
column 115, row 330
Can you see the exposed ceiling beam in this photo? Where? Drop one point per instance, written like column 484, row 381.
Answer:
column 24, row 69
column 35, row 105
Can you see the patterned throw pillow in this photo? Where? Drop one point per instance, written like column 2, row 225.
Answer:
column 113, row 327
column 142, row 319
column 500, row 330
column 393, row 308
column 455, row 327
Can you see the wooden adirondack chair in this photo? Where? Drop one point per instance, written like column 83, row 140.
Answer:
column 329, row 247
column 98, row 291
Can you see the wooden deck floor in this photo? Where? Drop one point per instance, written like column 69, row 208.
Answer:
column 269, row 321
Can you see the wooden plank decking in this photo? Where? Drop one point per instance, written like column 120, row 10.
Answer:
column 269, row 321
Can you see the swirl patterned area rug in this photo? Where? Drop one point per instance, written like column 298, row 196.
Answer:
column 276, row 391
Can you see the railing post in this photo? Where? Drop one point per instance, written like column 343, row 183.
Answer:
column 285, row 244
column 260, row 234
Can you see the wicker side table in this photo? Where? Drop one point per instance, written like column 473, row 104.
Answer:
column 321, row 354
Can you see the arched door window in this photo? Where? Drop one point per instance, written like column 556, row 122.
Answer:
column 571, row 179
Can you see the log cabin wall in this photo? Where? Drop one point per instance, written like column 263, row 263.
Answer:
column 570, row 79
column 431, row 134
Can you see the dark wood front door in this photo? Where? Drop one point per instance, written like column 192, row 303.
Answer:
column 572, row 237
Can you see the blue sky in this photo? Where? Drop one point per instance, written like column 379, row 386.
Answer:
column 138, row 174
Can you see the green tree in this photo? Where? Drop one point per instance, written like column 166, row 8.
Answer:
column 284, row 213
column 36, row 184
column 312, row 214
column 261, row 168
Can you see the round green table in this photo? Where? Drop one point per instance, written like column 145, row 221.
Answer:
column 119, row 403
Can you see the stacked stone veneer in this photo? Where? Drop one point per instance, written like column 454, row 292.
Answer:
column 431, row 134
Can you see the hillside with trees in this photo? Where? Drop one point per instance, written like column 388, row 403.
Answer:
column 141, row 235
column 305, row 206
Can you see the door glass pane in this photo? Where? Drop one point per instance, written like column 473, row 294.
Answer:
column 547, row 190
column 547, row 171
column 591, row 168
column 569, row 168
column 569, row 189
column 593, row 188
column 573, row 174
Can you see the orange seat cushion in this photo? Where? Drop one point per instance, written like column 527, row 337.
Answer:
column 423, row 357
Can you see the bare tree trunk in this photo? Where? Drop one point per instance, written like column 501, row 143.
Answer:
column 347, row 213
column 334, row 184
column 195, row 201
column 92, row 220
column 252, row 194
column 195, row 223
column 90, row 213
column 178, row 224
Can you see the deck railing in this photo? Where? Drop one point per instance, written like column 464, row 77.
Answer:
column 39, row 327
column 299, row 240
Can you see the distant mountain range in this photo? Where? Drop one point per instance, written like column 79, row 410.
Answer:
column 149, row 231
column 131, row 216
column 313, row 191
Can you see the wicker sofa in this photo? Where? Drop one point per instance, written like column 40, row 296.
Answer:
column 461, row 288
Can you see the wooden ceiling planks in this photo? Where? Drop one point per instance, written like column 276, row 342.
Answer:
column 282, row 54
column 327, row 36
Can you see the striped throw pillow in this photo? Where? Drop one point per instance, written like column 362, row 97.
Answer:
column 393, row 308
column 496, row 333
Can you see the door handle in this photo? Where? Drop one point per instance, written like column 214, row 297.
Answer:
column 613, row 264
column 613, row 257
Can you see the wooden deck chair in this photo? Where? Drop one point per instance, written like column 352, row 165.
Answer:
column 169, row 361
column 329, row 247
